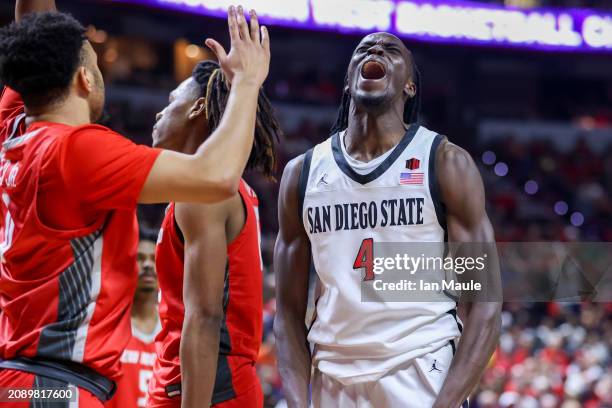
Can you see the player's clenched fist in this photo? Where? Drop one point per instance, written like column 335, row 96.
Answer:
column 249, row 56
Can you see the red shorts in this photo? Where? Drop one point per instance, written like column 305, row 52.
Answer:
column 252, row 398
column 14, row 379
column 246, row 387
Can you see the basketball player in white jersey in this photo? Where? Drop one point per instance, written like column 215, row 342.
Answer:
column 380, row 177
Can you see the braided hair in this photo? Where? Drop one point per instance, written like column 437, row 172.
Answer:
column 411, row 108
column 214, row 88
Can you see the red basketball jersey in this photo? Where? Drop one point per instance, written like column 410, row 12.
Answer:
column 136, row 368
column 68, row 237
column 241, row 331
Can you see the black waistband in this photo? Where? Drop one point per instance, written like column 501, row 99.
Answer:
column 69, row 372
column 219, row 396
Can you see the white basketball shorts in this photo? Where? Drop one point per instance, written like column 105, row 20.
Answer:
column 413, row 385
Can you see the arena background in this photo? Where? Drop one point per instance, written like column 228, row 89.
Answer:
column 536, row 117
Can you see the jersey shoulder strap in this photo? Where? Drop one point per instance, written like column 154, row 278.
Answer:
column 434, row 187
column 303, row 181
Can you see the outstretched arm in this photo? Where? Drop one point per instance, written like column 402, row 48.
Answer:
column 291, row 266
column 23, row 7
column 213, row 173
column 462, row 191
column 203, row 227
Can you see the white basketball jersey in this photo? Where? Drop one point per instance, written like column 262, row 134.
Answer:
column 355, row 341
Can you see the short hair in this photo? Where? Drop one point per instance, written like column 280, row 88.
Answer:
column 214, row 87
column 147, row 234
column 39, row 55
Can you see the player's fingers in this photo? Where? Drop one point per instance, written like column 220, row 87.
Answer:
column 265, row 38
column 254, row 27
column 232, row 24
column 216, row 48
column 242, row 24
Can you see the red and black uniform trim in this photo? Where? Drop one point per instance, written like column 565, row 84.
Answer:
column 241, row 327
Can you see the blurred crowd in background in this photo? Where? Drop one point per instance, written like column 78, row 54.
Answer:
column 549, row 182
column 550, row 354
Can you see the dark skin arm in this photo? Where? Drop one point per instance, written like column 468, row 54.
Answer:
column 462, row 191
column 23, row 7
column 204, row 230
column 292, row 264
column 198, row 177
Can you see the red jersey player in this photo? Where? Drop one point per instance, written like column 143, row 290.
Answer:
column 68, row 231
column 209, row 265
column 139, row 354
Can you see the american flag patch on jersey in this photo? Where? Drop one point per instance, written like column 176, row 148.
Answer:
column 415, row 179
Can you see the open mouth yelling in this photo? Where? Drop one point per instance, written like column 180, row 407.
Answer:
column 373, row 70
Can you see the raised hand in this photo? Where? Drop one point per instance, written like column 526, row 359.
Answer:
column 249, row 57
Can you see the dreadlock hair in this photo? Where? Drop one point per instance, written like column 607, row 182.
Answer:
column 411, row 108
column 39, row 55
column 214, row 88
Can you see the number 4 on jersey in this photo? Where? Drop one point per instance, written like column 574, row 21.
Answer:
column 365, row 258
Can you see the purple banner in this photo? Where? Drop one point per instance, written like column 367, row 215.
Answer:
column 433, row 21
